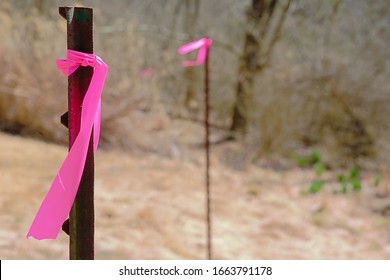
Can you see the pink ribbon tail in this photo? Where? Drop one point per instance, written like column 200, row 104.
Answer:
column 56, row 206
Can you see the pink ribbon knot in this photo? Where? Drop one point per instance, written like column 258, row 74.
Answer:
column 75, row 59
column 56, row 206
column 202, row 44
column 88, row 62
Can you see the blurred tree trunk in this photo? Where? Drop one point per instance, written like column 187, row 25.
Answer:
column 186, row 12
column 191, row 13
column 264, row 22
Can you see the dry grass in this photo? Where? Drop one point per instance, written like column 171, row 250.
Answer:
column 149, row 207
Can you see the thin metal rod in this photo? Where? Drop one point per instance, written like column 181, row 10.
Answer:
column 207, row 148
column 81, row 218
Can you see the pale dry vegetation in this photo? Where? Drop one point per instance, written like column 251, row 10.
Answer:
column 325, row 84
column 148, row 207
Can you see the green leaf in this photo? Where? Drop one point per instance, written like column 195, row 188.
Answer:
column 315, row 157
column 342, row 179
column 319, row 167
column 316, row 186
column 356, row 184
column 343, row 182
column 302, row 161
column 354, row 173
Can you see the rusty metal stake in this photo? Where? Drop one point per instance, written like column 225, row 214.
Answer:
column 81, row 218
column 207, row 148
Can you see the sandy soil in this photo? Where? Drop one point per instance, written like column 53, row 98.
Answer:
column 152, row 207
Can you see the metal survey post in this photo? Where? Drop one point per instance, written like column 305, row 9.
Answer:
column 81, row 218
column 207, row 154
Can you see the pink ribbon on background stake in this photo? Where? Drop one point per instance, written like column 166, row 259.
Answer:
column 201, row 44
column 56, row 206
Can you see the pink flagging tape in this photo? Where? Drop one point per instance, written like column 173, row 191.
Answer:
column 56, row 206
column 202, row 44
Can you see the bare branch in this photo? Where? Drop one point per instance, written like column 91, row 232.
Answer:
column 276, row 33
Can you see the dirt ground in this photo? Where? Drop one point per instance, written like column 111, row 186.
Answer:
column 152, row 207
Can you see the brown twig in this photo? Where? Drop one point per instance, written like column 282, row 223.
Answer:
column 207, row 145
